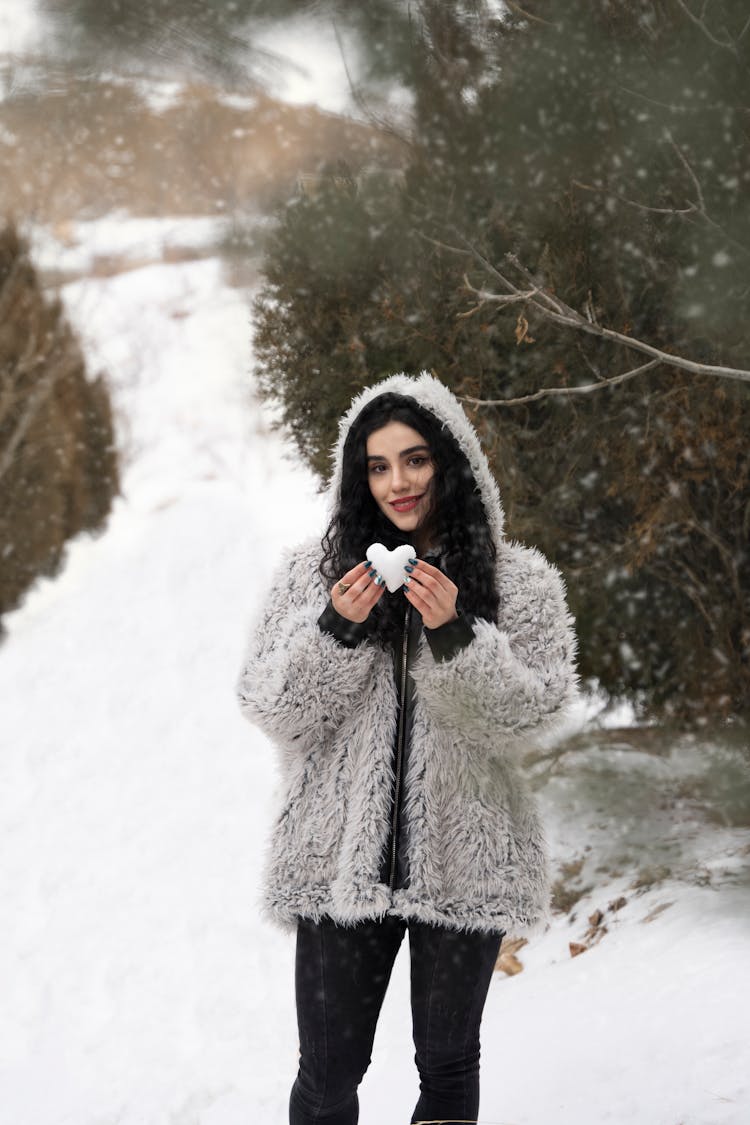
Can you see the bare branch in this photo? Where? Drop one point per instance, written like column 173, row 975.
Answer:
column 558, row 392
column 556, row 310
column 717, row 107
column 559, row 312
column 526, row 15
column 8, row 287
column 510, row 299
column 690, row 209
column 34, row 402
column 702, row 209
column 725, row 44
column 379, row 122
column 470, row 312
column 542, row 293
column 573, row 319
column 686, row 165
column 723, row 550
column 691, row 589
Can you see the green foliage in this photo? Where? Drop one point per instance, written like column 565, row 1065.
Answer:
column 607, row 150
column 58, row 464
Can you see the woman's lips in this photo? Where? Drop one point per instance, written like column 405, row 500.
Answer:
column 406, row 503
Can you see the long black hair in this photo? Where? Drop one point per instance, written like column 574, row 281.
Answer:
column 457, row 515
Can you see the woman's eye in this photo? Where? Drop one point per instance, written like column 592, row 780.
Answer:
column 417, row 460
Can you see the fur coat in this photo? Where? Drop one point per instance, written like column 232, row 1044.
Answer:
column 478, row 858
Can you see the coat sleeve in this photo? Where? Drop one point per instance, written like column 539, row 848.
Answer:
column 298, row 682
column 517, row 676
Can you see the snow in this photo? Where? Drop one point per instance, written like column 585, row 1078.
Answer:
column 73, row 247
column 159, row 94
column 139, row 985
column 304, row 63
column 19, row 25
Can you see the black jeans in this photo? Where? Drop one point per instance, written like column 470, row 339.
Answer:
column 341, row 975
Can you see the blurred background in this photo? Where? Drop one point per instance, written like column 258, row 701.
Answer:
column 217, row 223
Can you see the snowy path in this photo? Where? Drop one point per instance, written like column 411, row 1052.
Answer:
column 139, row 986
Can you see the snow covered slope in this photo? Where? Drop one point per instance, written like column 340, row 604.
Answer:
column 138, row 985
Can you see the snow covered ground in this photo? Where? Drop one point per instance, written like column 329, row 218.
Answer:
column 129, row 240
column 138, row 985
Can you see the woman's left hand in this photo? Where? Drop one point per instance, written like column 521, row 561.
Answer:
column 433, row 594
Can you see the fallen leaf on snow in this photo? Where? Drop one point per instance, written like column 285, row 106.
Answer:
column 656, row 911
column 507, row 961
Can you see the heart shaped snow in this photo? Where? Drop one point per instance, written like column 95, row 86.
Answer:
column 390, row 564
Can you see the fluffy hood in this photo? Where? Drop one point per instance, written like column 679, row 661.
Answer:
column 431, row 394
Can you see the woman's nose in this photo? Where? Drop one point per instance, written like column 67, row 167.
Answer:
column 399, row 479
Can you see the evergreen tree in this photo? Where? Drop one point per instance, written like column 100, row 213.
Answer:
column 58, row 463
column 607, row 150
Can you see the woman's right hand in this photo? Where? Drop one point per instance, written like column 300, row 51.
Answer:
column 363, row 593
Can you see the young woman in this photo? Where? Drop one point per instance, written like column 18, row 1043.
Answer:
column 398, row 717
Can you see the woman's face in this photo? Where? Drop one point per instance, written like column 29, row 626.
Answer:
column 400, row 471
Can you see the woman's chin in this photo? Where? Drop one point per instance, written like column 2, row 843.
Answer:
column 407, row 522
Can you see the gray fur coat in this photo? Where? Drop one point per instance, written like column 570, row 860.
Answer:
column 478, row 859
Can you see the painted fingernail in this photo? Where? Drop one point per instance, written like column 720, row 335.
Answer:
column 408, row 569
column 379, row 581
column 413, row 561
column 407, row 580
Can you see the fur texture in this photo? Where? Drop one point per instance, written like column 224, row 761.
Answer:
column 478, row 857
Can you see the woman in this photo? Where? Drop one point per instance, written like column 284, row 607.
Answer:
column 397, row 716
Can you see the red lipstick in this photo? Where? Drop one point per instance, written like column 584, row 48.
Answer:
column 406, row 503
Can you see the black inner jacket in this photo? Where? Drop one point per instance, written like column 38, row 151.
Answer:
column 444, row 642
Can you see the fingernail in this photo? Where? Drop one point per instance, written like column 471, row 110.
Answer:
column 379, row 581
column 408, row 569
column 407, row 580
column 413, row 561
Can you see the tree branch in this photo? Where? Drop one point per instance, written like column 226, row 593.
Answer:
column 725, row 552
column 556, row 310
column 561, row 313
column 35, row 398
column 687, row 166
column 690, row 209
column 546, row 392
column 698, row 209
column 380, row 123
column 526, row 15
column 725, row 44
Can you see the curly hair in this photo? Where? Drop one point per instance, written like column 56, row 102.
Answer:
column 457, row 515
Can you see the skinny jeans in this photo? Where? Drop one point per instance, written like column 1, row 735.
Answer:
column 341, row 976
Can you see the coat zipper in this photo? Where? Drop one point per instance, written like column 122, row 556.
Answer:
column 400, row 743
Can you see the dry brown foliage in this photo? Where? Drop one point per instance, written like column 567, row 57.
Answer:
column 89, row 147
column 58, row 464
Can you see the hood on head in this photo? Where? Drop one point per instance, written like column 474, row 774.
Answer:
column 431, row 394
